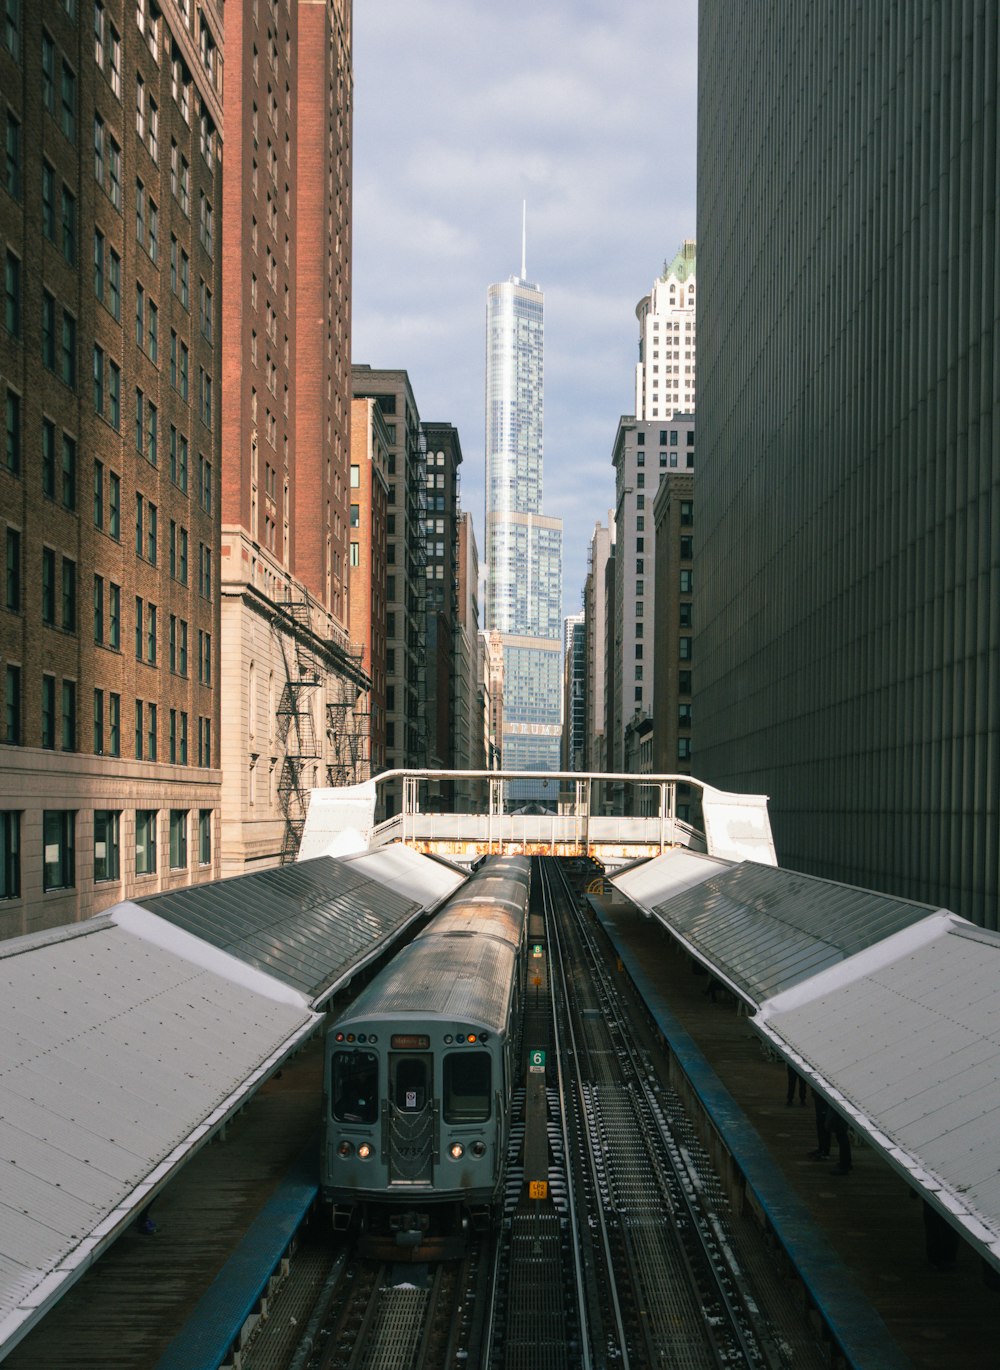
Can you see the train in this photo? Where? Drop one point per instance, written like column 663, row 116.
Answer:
column 419, row 1072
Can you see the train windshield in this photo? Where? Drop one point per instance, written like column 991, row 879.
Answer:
column 354, row 1086
column 467, row 1087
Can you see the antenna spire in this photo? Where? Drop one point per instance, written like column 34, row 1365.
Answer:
column 524, row 240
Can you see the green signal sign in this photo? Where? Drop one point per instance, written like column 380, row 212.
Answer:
column 536, row 1060
column 536, row 949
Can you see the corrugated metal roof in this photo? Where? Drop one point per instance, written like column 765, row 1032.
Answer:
column 118, row 1056
column 908, row 1037
column 461, row 978
column 650, row 882
column 308, row 924
column 764, row 929
column 409, row 872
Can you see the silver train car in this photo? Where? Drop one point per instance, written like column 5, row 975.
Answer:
column 419, row 1072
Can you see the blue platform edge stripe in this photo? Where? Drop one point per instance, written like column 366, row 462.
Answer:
column 206, row 1337
column 860, row 1333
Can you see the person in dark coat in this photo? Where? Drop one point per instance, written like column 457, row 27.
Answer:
column 794, row 1078
column 823, row 1128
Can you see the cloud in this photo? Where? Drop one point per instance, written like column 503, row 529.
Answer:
column 586, row 108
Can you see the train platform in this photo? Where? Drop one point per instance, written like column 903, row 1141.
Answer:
column 128, row 1310
column 856, row 1239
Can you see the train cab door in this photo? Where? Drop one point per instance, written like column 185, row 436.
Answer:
column 411, row 1118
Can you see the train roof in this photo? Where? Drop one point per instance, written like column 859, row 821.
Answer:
column 470, row 917
column 458, row 979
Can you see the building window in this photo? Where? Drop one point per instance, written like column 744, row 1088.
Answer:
column 685, row 615
column 684, row 682
column 10, row 853
column 12, row 450
column 107, row 849
column 49, row 712
column 151, row 734
column 68, row 716
column 98, row 722
column 13, row 568
column 114, row 725
column 13, row 167
column 355, row 554
column 145, row 841
column 178, row 839
column 114, row 616
column 12, row 295
column 687, row 513
column 139, row 730
column 12, row 706
column 204, row 836
column 59, row 866
column 48, row 586
column 683, row 749
column 684, row 648
column 686, row 582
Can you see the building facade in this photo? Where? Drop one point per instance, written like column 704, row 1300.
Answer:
column 849, row 462
column 574, row 692
column 368, row 521
column 109, row 484
column 673, row 647
column 523, row 545
column 665, row 371
column 645, row 452
column 444, row 457
column 467, row 714
column 406, row 725
column 292, row 675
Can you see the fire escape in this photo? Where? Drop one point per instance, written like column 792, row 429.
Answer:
column 314, row 667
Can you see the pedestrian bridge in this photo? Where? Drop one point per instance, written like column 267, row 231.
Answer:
column 343, row 820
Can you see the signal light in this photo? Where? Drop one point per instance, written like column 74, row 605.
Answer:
column 339, row 1037
column 478, row 1149
column 456, row 1151
column 364, row 1151
column 345, row 1149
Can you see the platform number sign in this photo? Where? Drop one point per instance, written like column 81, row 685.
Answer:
column 536, row 1061
column 536, row 950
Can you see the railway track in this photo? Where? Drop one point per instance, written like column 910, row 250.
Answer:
column 660, row 1281
column 631, row 1260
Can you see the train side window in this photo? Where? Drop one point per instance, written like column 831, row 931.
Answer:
column 354, row 1086
column 467, row 1087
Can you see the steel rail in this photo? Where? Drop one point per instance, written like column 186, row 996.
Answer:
column 728, row 1282
column 554, row 941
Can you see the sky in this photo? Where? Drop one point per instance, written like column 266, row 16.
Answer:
column 462, row 110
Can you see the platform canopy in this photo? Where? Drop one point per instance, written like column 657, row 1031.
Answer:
column 427, row 879
column 904, row 1038
column 761, row 929
column 121, row 1056
column 311, row 924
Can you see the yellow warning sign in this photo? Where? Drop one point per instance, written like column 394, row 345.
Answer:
column 596, row 886
column 538, row 1189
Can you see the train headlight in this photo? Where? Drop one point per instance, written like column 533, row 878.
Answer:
column 478, row 1150
column 456, row 1151
column 364, row 1151
column 345, row 1149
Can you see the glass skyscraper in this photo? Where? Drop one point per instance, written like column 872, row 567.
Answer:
column 523, row 546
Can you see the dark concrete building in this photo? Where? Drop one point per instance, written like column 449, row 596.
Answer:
column 849, row 436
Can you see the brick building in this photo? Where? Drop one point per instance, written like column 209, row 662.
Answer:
column 291, row 673
column 109, row 485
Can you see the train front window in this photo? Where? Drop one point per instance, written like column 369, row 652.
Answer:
column 354, row 1086
column 467, row 1087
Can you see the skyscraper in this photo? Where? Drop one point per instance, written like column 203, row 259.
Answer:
column 848, row 466
column 665, row 371
column 523, row 545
